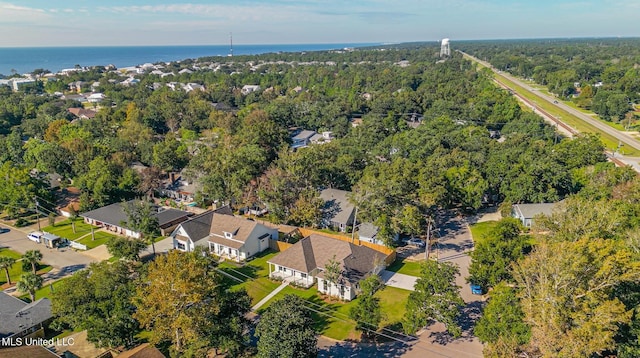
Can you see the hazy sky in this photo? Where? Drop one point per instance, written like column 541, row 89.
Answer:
column 176, row 22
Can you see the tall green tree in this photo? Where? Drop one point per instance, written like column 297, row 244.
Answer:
column 99, row 300
column 436, row 297
column 140, row 219
column 5, row 264
column 29, row 283
column 493, row 255
column 126, row 248
column 332, row 272
column 502, row 325
column 183, row 300
column 32, row 258
column 286, row 330
column 367, row 312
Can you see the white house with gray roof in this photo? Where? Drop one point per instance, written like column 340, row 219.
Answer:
column 527, row 212
column 114, row 218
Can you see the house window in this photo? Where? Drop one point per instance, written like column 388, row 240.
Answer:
column 324, row 286
column 180, row 246
column 228, row 235
column 303, row 275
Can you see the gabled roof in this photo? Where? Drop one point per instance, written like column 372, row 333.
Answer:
column 367, row 230
column 337, row 207
column 240, row 228
column 17, row 315
column 114, row 214
column 304, row 135
column 528, row 211
column 199, row 226
column 142, row 351
column 315, row 251
column 82, row 113
column 31, row 351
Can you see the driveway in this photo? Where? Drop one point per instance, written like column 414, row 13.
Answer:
column 64, row 259
column 399, row 280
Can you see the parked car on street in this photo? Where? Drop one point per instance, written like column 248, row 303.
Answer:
column 3, row 230
column 35, row 236
column 416, row 242
column 476, row 289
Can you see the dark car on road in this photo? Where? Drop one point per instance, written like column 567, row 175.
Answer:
column 3, row 230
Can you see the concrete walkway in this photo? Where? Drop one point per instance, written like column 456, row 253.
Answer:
column 284, row 284
column 398, row 280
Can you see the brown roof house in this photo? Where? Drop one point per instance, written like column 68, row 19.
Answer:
column 305, row 261
column 227, row 236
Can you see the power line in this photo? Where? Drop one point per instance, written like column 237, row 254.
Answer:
column 263, row 288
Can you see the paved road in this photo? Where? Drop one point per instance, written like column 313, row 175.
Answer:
column 65, row 260
column 625, row 138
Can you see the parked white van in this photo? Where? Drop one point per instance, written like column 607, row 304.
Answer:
column 35, row 236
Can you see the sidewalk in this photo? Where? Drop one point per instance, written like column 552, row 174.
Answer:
column 284, row 284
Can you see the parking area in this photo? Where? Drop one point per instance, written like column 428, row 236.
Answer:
column 398, row 280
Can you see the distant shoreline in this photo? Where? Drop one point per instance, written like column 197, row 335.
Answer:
column 26, row 59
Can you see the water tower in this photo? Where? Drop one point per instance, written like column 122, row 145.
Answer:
column 445, row 50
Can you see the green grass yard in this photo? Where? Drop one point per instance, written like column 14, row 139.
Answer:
column 101, row 238
column 45, row 292
column 64, row 229
column 481, row 231
column 400, row 265
column 259, row 285
column 16, row 269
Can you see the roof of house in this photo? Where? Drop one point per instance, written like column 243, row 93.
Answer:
column 367, row 230
column 337, row 206
column 305, row 134
column 27, row 351
column 17, row 315
column 82, row 113
column 528, row 211
column 114, row 214
column 142, row 351
column 199, row 226
column 315, row 251
column 240, row 228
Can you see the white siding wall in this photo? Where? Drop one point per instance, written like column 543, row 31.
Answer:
column 335, row 290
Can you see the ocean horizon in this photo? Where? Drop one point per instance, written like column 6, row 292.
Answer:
column 26, row 59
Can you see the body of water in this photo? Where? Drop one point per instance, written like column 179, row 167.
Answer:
column 54, row 59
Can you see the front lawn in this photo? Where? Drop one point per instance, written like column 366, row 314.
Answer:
column 393, row 302
column 65, row 229
column 481, row 231
column 257, row 284
column 332, row 319
column 45, row 291
column 101, row 238
column 401, row 265
column 16, row 269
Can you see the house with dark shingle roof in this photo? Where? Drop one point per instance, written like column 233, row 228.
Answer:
column 305, row 262
column 19, row 319
column 27, row 351
column 223, row 234
column 114, row 218
column 337, row 212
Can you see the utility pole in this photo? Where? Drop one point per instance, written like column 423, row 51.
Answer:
column 37, row 213
column 353, row 229
column 426, row 250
